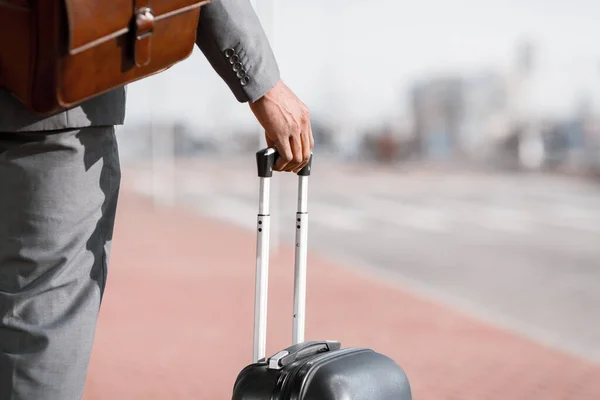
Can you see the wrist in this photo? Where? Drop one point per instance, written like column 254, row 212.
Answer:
column 268, row 93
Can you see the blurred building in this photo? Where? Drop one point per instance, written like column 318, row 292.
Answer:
column 591, row 135
column 573, row 144
column 438, row 111
column 458, row 118
column 487, row 119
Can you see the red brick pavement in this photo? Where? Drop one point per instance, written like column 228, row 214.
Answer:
column 177, row 317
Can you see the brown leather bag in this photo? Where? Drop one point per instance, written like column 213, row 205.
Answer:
column 55, row 54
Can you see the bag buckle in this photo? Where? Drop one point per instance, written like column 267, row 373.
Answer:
column 144, row 23
column 144, row 28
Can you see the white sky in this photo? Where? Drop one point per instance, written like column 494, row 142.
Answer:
column 356, row 59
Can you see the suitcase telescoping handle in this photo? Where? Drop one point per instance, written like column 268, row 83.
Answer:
column 265, row 160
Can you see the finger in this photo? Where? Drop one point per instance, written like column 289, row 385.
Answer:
column 306, row 149
column 296, row 146
column 270, row 142
column 285, row 155
column 310, row 141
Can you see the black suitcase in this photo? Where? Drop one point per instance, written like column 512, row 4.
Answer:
column 314, row 370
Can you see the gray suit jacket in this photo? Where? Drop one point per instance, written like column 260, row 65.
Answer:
column 227, row 28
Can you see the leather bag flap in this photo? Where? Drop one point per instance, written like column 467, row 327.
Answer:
column 92, row 22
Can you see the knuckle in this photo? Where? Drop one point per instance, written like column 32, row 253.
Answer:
column 305, row 117
column 284, row 153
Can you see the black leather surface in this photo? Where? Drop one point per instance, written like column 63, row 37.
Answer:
column 346, row 374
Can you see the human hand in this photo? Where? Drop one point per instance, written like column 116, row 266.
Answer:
column 286, row 121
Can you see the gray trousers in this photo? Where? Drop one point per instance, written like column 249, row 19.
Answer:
column 58, row 198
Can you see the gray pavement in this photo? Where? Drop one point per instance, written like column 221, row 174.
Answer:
column 519, row 251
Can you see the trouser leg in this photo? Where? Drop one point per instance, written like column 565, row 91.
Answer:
column 58, row 198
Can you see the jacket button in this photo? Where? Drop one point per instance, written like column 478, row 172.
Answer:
column 237, row 66
column 234, row 59
column 229, row 52
column 241, row 73
column 245, row 80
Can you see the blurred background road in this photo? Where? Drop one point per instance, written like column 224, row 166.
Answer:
column 520, row 251
column 176, row 321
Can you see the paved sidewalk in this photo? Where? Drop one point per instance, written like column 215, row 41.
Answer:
column 177, row 317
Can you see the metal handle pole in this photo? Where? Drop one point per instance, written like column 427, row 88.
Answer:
column 262, row 272
column 264, row 161
column 301, row 251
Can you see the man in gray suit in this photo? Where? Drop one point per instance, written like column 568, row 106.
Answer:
column 59, row 183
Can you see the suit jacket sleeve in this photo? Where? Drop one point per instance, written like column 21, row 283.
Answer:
column 232, row 39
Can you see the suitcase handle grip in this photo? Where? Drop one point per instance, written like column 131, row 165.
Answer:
column 266, row 158
column 303, row 350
